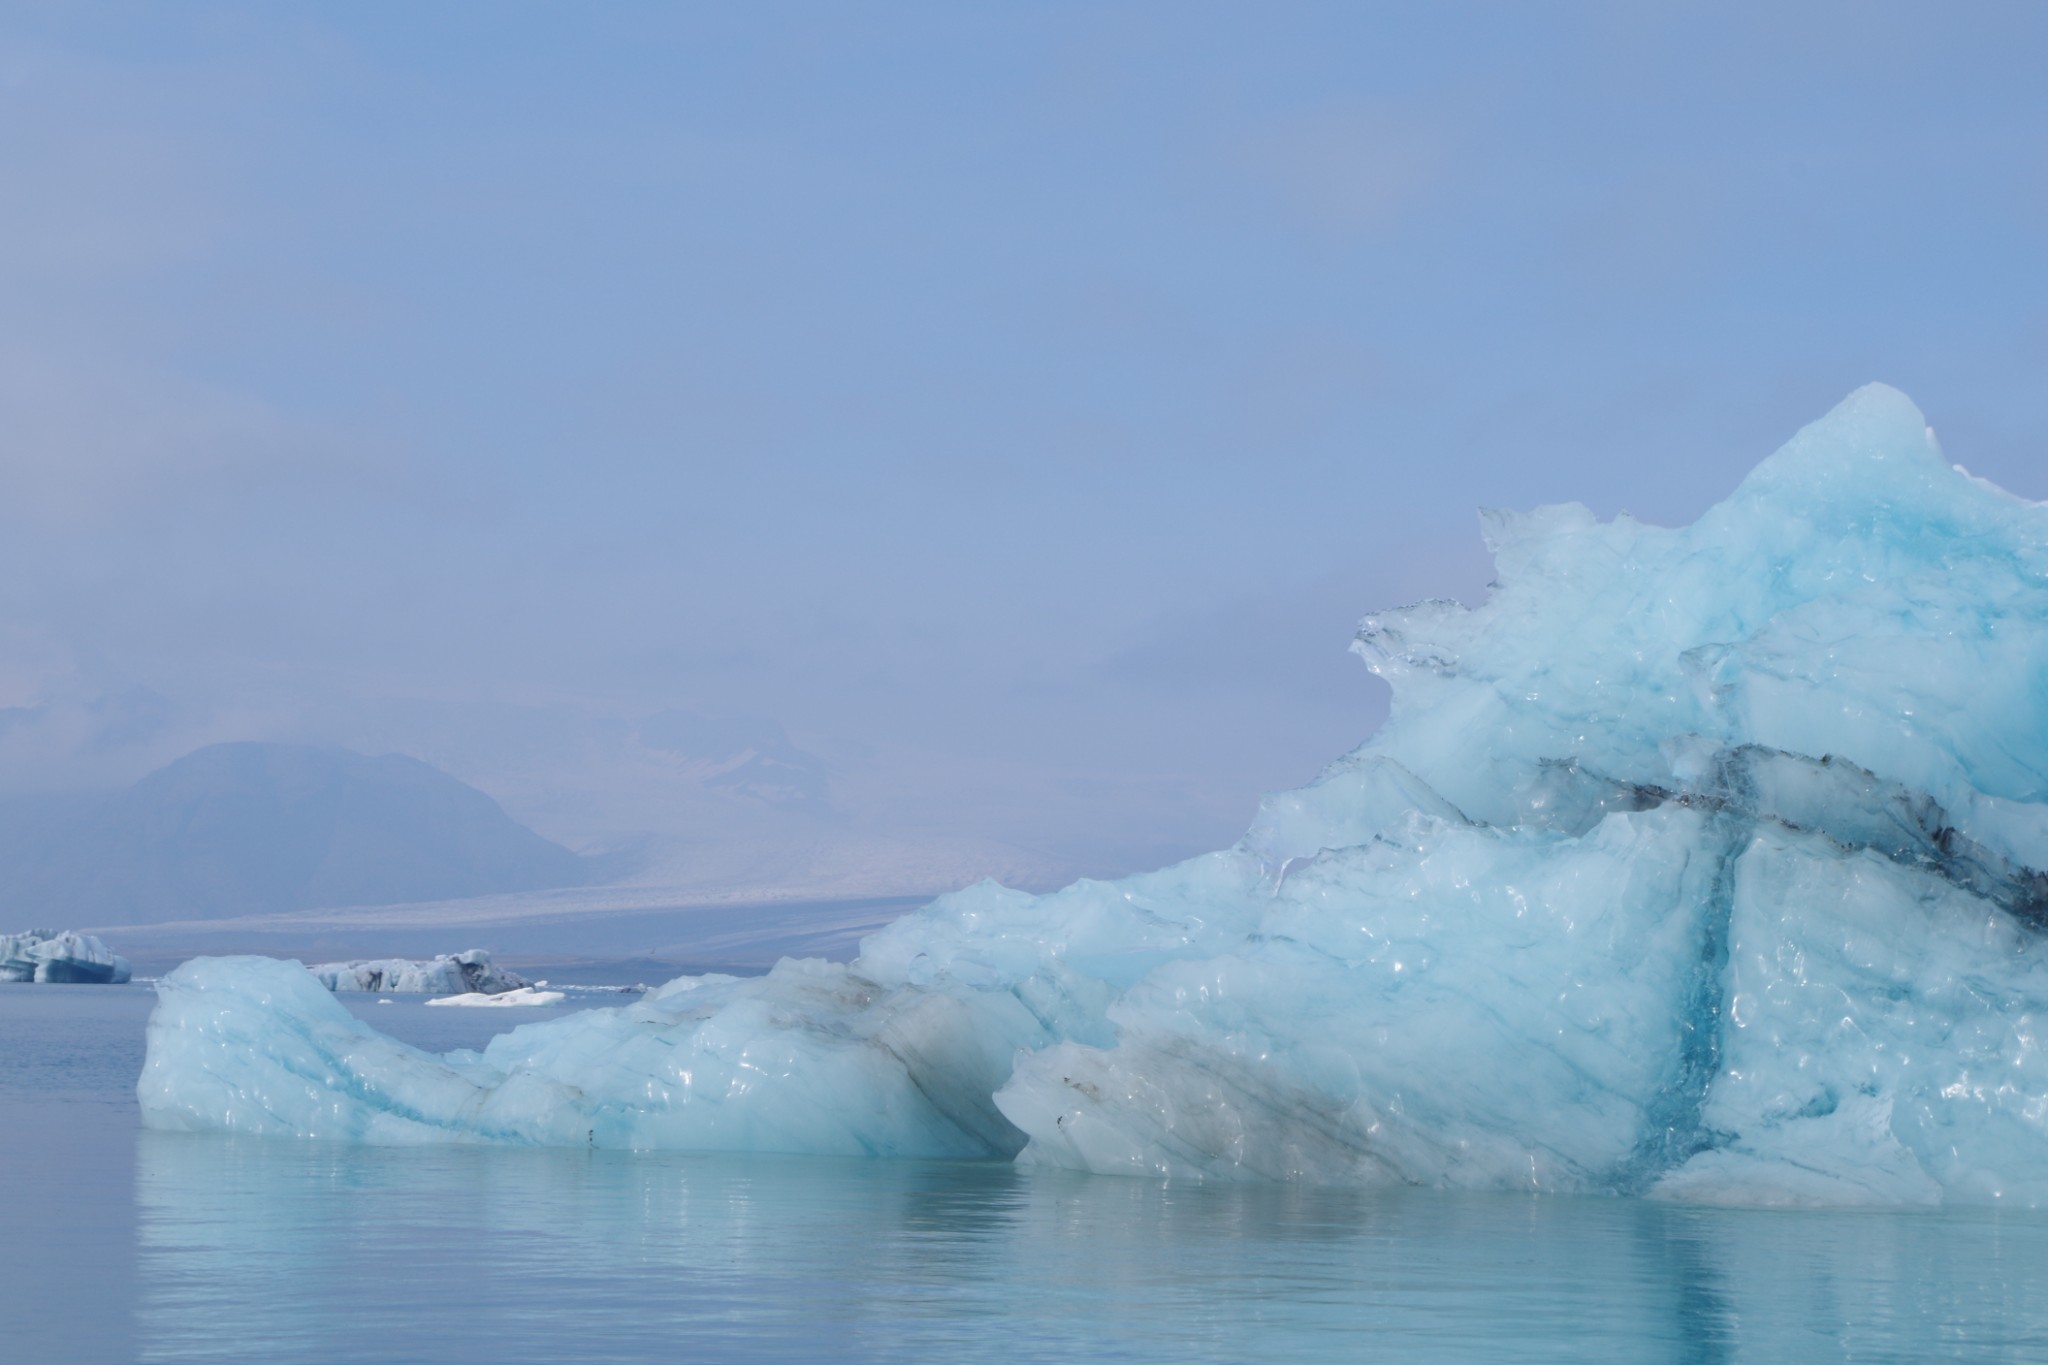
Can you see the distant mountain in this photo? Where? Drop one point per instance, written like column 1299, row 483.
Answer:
column 236, row 829
column 748, row 756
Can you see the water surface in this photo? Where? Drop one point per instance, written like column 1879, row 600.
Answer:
column 176, row 1247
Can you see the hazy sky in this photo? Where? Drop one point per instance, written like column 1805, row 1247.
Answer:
column 1019, row 403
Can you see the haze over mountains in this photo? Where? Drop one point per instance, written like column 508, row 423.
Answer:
column 693, row 387
column 254, row 828
column 247, row 830
column 747, row 756
column 705, row 804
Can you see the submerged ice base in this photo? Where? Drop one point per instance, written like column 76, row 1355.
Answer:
column 1698, row 863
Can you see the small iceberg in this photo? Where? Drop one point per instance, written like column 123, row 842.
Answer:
column 61, row 958
column 472, row 972
column 524, row 995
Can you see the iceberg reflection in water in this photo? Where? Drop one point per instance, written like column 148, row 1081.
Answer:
column 253, row 1249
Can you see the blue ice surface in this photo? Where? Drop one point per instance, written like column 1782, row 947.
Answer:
column 1697, row 863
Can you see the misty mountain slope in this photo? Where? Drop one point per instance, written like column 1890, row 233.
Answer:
column 249, row 828
column 746, row 756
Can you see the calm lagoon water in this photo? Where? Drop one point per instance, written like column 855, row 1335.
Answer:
column 116, row 1245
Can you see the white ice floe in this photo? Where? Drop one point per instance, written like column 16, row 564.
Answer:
column 524, row 995
column 1703, row 863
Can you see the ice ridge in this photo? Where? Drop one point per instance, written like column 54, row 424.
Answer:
column 1703, row 863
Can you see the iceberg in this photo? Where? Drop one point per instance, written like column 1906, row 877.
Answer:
column 471, row 971
column 64, row 958
column 1698, row 863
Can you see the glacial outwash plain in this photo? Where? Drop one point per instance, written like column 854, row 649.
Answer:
column 1703, row 864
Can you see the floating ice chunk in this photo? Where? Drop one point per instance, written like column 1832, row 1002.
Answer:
column 777, row 1063
column 1701, row 863
column 47, row 955
column 518, row 996
column 450, row 972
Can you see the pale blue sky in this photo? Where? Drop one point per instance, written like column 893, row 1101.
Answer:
column 1019, row 403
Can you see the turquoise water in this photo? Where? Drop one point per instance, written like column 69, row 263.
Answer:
column 123, row 1245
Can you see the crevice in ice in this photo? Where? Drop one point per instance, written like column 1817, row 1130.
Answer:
column 1841, row 801
column 1674, row 1127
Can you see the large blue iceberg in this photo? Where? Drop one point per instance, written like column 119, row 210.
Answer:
column 1696, row 863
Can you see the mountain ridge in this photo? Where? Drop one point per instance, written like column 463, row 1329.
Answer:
column 251, row 827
